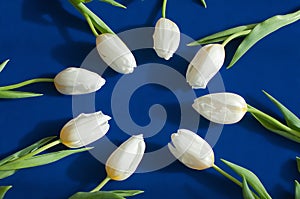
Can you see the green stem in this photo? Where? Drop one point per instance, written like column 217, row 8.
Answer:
column 99, row 187
column 39, row 150
column 236, row 35
column 274, row 121
column 21, row 84
column 97, row 22
column 228, row 176
column 163, row 10
column 88, row 19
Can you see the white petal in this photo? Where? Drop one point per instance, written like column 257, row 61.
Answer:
column 205, row 65
column 166, row 38
column 222, row 108
column 76, row 81
column 84, row 129
column 123, row 162
column 191, row 150
column 115, row 53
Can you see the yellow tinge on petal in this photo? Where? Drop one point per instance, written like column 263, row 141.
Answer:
column 123, row 162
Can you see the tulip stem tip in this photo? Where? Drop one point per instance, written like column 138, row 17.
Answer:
column 101, row 185
column 164, row 6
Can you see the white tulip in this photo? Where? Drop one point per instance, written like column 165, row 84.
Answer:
column 166, row 38
column 84, row 129
column 205, row 65
column 222, row 108
column 123, row 162
column 76, row 81
column 191, row 150
column 115, row 53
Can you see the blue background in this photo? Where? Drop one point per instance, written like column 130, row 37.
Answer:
column 44, row 37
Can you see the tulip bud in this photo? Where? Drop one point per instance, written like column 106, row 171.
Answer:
column 205, row 65
column 222, row 108
column 191, row 150
column 123, row 162
column 166, row 38
column 76, row 81
column 115, row 53
column 84, row 129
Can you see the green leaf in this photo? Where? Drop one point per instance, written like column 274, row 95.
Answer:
column 247, row 193
column 3, row 190
column 40, row 159
column 275, row 128
column 203, row 3
column 17, row 94
column 223, row 35
column 3, row 64
column 261, row 30
column 27, row 150
column 114, row 3
column 298, row 163
column 81, row 1
column 291, row 119
column 127, row 193
column 5, row 174
column 96, row 195
column 297, row 190
column 251, row 178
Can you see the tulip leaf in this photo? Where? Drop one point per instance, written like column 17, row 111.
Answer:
column 26, row 150
column 114, row 3
column 275, row 128
column 251, row 178
column 96, row 195
column 40, row 159
column 297, row 190
column 4, row 94
column 5, row 174
column 247, row 193
column 223, row 35
column 291, row 119
column 3, row 64
column 298, row 163
column 127, row 193
column 261, row 30
column 3, row 190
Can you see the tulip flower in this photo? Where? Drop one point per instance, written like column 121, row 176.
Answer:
column 222, row 108
column 191, row 150
column 84, row 129
column 166, row 37
column 75, row 81
column 110, row 47
column 120, row 165
column 205, row 65
column 77, row 133
column 115, row 53
column 71, row 81
column 123, row 162
column 229, row 108
column 196, row 153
